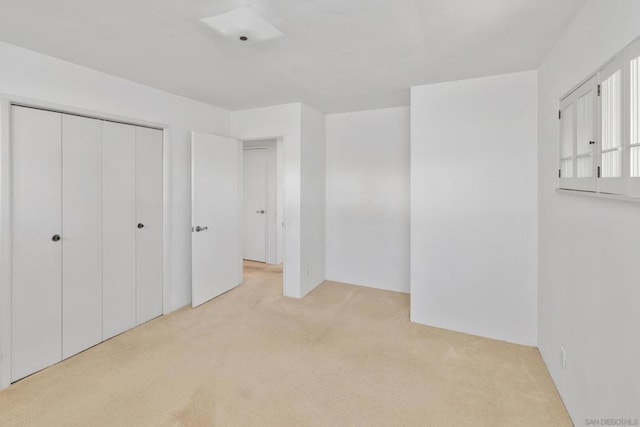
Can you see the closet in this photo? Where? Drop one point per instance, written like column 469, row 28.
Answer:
column 87, row 233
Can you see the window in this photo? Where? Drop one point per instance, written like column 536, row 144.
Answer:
column 578, row 123
column 600, row 129
column 611, row 128
column 633, row 64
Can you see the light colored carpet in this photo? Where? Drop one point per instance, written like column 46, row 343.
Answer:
column 342, row 356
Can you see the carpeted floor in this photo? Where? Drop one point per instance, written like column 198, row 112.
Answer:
column 342, row 356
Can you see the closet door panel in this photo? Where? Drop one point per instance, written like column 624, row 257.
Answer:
column 149, row 223
column 82, row 233
column 36, row 274
column 119, row 228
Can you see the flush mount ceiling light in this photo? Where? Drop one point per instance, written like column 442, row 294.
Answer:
column 243, row 24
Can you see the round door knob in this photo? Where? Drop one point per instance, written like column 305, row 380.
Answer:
column 140, row 225
column 56, row 238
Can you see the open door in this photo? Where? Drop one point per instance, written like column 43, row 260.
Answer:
column 215, row 232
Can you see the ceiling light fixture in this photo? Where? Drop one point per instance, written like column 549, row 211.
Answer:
column 244, row 23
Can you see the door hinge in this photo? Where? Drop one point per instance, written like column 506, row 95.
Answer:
column 559, row 173
column 559, row 114
column 598, row 171
column 598, row 90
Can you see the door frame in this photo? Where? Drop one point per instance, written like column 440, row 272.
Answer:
column 6, row 224
column 280, row 191
column 274, row 235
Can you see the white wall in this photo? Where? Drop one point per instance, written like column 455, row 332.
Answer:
column 313, row 198
column 30, row 75
column 473, row 206
column 589, row 281
column 368, row 198
column 281, row 121
column 301, row 130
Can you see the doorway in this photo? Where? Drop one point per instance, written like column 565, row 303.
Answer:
column 218, row 217
column 263, row 190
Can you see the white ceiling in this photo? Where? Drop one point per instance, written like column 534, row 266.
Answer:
column 336, row 55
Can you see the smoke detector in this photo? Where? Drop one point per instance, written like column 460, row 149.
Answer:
column 244, row 24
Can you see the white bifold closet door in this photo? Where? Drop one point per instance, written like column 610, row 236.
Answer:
column 81, row 233
column 132, row 247
column 119, row 228
column 132, row 206
column 36, row 297
column 149, row 192
column 87, row 233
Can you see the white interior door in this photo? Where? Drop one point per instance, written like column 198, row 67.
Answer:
column 255, row 203
column 81, row 233
column 215, row 237
column 119, row 228
column 149, row 224
column 36, row 321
